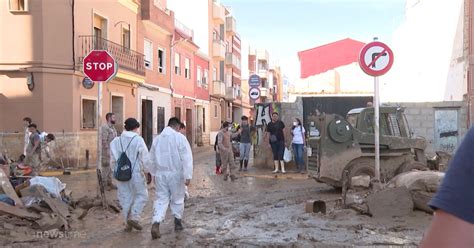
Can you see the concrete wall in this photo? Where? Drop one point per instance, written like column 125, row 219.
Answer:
column 424, row 120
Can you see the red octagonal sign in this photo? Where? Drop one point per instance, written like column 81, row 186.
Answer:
column 99, row 66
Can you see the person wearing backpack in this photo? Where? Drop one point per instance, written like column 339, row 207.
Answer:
column 129, row 155
column 171, row 163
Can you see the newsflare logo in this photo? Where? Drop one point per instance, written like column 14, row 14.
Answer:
column 57, row 234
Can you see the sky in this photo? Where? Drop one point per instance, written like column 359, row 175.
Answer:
column 285, row 27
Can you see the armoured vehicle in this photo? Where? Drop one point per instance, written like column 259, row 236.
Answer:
column 347, row 144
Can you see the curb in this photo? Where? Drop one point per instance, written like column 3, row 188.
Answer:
column 60, row 173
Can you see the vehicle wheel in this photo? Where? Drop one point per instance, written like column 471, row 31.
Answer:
column 414, row 165
column 360, row 167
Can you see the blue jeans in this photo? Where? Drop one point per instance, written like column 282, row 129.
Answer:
column 245, row 151
column 298, row 151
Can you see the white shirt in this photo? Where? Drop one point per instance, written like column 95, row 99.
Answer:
column 171, row 153
column 137, row 152
column 298, row 135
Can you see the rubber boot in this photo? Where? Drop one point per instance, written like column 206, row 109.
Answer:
column 241, row 165
column 178, row 226
column 282, row 163
column 155, row 231
column 276, row 166
column 246, row 163
column 134, row 224
column 217, row 170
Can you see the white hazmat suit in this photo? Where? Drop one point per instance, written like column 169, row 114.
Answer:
column 133, row 194
column 171, row 164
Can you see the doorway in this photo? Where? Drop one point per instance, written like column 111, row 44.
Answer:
column 177, row 113
column 117, row 109
column 189, row 126
column 147, row 122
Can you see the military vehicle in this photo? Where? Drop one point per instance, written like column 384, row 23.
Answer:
column 346, row 149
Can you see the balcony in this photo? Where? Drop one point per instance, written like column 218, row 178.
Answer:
column 230, row 94
column 126, row 58
column 218, row 13
column 262, row 73
column 183, row 29
column 230, row 25
column 218, row 49
column 262, row 55
column 264, row 92
column 231, row 60
column 161, row 18
column 218, row 89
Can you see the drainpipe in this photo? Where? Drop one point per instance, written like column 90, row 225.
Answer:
column 73, row 37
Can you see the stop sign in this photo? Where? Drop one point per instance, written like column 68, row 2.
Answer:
column 99, row 66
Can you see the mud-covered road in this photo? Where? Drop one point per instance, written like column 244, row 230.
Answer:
column 256, row 210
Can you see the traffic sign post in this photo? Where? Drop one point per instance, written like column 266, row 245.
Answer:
column 100, row 67
column 254, row 93
column 376, row 59
column 254, row 81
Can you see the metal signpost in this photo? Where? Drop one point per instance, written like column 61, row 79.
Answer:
column 254, row 84
column 100, row 67
column 376, row 59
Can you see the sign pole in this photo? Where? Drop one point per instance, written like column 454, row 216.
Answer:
column 99, row 120
column 377, row 128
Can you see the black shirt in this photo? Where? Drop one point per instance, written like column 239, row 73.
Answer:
column 276, row 131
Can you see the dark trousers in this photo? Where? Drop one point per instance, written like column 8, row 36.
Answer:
column 278, row 149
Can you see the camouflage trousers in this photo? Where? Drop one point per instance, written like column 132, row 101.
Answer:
column 106, row 173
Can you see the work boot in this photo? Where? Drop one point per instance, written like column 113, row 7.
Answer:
column 226, row 177
column 233, row 178
column 282, row 163
column 134, row 224
column 178, row 226
column 241, row 165
column 276, row 166
column 128, row 228
column 155, row 231
column 217, row 170
column 246, row 162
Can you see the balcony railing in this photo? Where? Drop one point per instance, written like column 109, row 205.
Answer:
column 230, row 25
column 125, row 57
column 230, row 93
column 184, row 29
column 218, row 49
column 218, row 13
column 218, row 89
column 232, row 60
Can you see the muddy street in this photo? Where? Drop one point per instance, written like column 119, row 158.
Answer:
column 256, row 210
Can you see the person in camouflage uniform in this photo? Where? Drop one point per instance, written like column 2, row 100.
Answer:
column 108, row 134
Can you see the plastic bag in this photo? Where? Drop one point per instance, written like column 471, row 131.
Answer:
column 287, row 156
column 53, row 185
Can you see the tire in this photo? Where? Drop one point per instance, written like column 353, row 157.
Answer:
column 359, row 167
column 414, row 165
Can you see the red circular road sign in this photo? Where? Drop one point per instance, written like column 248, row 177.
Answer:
column 376, row 58
column 99, row 66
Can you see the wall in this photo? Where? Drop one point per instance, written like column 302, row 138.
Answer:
column 182, row 85
column 201, row 92
column 423, row 121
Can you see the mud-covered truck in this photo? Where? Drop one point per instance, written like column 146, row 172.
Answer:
column 346, row 149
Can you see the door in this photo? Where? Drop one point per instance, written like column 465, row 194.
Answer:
column 446, row 130
column 147, row 122
column 189, row 126
column 177, row 113
column 160, row 119
column 117, row 109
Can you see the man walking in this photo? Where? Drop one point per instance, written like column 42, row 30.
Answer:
column 26, row 123
column 108, row 134
column 33, row 151
column 225, row 150
column 132, row 194
column 245, row 143
column 172, row 166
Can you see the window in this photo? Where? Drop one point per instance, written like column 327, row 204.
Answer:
column 126, row 38
column 148, row 55
column 18, row 5
column 160, row 119
column 198, row 76
column 161, row 61
column 88, row 113
column 205, row 78
column 215, row 111
column 187, row 68
column 214, row 74
column 177, row 61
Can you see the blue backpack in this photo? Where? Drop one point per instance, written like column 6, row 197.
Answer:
column 123, row 170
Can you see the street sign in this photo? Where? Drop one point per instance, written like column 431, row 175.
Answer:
column 254, row 81
column 254, row 93
column 376, row 58
column 99, row 66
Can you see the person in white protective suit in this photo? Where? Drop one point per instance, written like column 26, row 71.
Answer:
column 171, row 164
column 132, row 194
